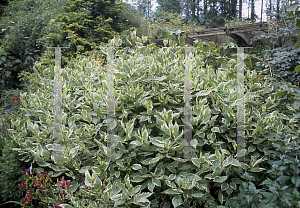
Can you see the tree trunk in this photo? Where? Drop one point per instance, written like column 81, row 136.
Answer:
column 205, row 7
column 198, row 12
column 277, row 15
column 270, row 5
column 262, row 5
column 240, row 9
column 252, row 10
column 233, row 8
column 193, row 8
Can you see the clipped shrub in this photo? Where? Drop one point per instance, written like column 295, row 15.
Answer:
column 150, row 168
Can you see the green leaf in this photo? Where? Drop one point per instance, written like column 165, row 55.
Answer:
column 74, row 152
column 297, row 68
column 96, row 169
column 220, row 197
column 177, row 148
column 205, row 49
column 122, row 187
column 172, row 191
column 150, row 186
column 137, row 189
column 280, row 93
column 137, row 179
column 257, row 169
column 233, row 185
column 159, row 121
column 165, row 129
column 74, row 186
column 176, row 129
column 171, row 184
column 46, row 154
column 196, row 162
column 136, row 166
column 296, row 181
column 40, row 149
column 141, row 198
column 224, row 186
column 119, row 53
column 84, row 169
column 194, row 143
column 148, row 51
column 176, row 201
column 197, row 194
column 126, row 67
column 181, row 40
column 96, row 108
column 151, row 161
column 119, row 75
column 248, row 61
column 217, row 171
column 157, row 142
column 220, row 179
column 203, row 93
column 142, row 49
column 127, row 181
column 156, row 182
column 298, row 25
column 116, row 197
column 39, row 170
column 42, row 164
column 215, row 129
column 160, row 59
column 283, row 116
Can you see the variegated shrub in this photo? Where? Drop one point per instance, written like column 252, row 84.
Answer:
column 150, row 169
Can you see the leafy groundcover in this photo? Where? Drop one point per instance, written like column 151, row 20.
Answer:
column 150, row 169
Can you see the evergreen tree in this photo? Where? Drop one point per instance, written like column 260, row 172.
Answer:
column 169, row 6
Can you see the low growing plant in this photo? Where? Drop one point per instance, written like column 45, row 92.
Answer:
column 40, row 188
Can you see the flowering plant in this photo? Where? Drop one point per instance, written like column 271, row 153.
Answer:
column 42, row 184
column 16, row 100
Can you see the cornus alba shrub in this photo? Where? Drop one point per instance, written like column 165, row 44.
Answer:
column 150, row 169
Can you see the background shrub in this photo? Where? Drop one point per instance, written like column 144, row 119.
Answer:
column 10, row 168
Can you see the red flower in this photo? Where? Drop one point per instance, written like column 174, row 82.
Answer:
column 22, row 185
column 65, row 184
column 30, row 191
column 41, row 187
column 58, row 203
column 26, row 171
column 16, row 100
column 38, row 175
column 44, row 174
column 27, row 199
column 37, row 183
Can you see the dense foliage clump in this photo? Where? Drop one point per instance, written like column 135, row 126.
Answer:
column 150, row 165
